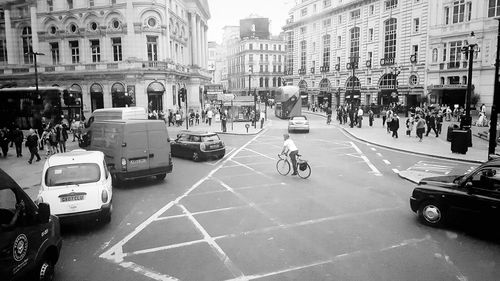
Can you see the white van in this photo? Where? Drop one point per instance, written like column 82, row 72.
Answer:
column 115, row 113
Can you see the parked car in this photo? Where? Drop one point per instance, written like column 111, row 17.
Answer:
column 30, row 238
column 298, row 123
column 77, row 185
column 434, row 199
column 198, row 145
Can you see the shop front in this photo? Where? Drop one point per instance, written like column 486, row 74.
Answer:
column 155, row 93
column 388, row 92
column 353, row 91
column 325, row 94
column 449, row 95
column 240, row 108
column 96, row 97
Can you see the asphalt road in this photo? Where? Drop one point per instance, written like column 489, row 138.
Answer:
column 238, row 219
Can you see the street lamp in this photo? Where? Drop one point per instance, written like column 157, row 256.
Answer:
column 496, row 95
column 352, row 64
column 250, row 71
column 396, row 70
column 469, row 50
column 35, row 54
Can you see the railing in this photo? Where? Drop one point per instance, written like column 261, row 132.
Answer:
column 453, row 65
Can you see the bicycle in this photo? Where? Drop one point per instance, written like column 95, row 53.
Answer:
column 284, row 166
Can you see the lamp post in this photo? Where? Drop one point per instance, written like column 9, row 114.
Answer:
column 250, row 71
column 35, row 54
column 353, row 64
column 496, row 93
column 469, row 50
column 396, row 70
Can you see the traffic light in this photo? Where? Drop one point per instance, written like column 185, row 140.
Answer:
column 68, row 98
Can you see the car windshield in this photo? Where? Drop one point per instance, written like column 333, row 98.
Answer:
column 72, row 174
column 210, row 138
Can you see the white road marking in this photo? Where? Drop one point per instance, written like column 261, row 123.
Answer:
column 373, row 148
column 395, row 171
column 379, row 154
column 251, row 169
column 386, row 162
column 367, row 161
column 115, row 253
column 147, row 272
column 251, row 150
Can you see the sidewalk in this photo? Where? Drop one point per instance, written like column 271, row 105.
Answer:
column 29, row 176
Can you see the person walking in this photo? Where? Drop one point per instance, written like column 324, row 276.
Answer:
column 290, row 148
column 420, row 127
column 395, row 125
column 360, row 116
column 262, row 118
column 17, row 138
column 32, row 144
column 53, row 140
column 439, row 122
column 197, row 116
column 409, row 125
column 223, row 121
column 62, row 136
column 210, row 114
column 431, row 124
column 45, row 139
column 370, row 117
column 388, row 118
column 4, row 141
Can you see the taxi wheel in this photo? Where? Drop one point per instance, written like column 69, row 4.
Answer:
column 196, row 156
column 46, row 270
column 116, row 180
column 106, row 217
column 432, row 213
column 161, row 177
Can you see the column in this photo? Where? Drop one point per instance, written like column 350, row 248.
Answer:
column 194, row 39
column 168, row 51
column 9, row 39
column 203, row 53
column 34, row 29
column 198, row 41
column 205, row 42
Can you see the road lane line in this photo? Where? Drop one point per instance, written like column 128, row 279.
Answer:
column 395, row 171
column 251, row 150
column 251, row 169
column 373, row 148
column 115, row 253
column 147, row 272
column 335, row 259
column 379, row 154
column 367, row 161
column 215, row 247
column 386, row 162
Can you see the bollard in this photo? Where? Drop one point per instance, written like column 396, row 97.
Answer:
column 247, row 126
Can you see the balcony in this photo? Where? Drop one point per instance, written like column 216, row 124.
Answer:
column 454, row 65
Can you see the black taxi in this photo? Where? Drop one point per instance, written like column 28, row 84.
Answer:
column 434, row 199
column 30, row 239
column 198, row 145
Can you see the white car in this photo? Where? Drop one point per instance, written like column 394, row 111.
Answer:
column 77, row 185
column 298, row 123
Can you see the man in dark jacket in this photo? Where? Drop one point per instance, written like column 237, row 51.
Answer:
column 32, row 144
column 17, row 138
column 394, row 125
column 431, row 124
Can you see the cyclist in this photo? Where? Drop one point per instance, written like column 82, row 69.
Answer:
column 292, row 151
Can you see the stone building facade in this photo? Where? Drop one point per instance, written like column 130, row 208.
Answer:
column 104, row 50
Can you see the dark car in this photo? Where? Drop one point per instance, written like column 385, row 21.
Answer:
column 437, row 198
column 198, row 145
column 30, row 239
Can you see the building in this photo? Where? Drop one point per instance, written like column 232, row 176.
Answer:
column 255, row 59
column 450, row 27
column 103, row 50
column 358, row 51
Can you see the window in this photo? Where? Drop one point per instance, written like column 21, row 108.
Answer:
column 91, row 3
column 368, row 81
column 250, row 58
column 54, row 51
column 303, row 12
column 370, row 56
column 3, row 50
column 274, row 47
column 391, row 4
column 261, row 46
column 261, row 58
column 458, row 11
column 371, row 10
column 27, row 47
column 315, row 9
column 446, row 15
column 390, row 38
column 274, row 68
column 434, row 55
column 279, row 58
column 468, row 11
column 455, row 54
column 279, row 47
column 493, row 8
column 327, row 3
column 327, row 23
column 279, row 68
column 326, row 50
column 274, row 58
column 113, row 2
column 261, row 68
column 414, row 50
column 261, row 82
column 339, row 41
column 354, row 50
column 370, row 34
column 70, row 4
column 267, row 47
column 267, row 58
column 303, row 30
column 75, row 51
column 50, row 5
column 444, row 51
column 266, row 67
column 95, row 50
column 340, row 19
column 152, row 47
column 250, row 46
column 355, row 14
column 416, row 25
column 116, row 43
column 303, row 53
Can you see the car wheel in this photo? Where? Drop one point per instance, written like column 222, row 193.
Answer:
column 196, row 156
column 432, row 213
column 45, row 270
column 116, row 181
column 161, row 177
column 289, row 131
column 106, row 217
column 221, row 156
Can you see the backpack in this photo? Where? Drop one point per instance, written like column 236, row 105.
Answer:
column 53, row 137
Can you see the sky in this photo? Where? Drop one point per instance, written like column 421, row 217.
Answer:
column 229, row 12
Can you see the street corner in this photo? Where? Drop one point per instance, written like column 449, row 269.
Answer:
column 415, row 176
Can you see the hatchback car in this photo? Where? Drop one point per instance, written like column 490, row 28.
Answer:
column 478, row 192
column 77, row 185
column 298, row 123
column 198, row 145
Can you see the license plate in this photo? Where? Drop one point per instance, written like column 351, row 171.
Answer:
column 214, row 146
column 137, row 161
column 72, row 198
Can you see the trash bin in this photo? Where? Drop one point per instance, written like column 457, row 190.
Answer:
column 450, row 129
column 459, row 142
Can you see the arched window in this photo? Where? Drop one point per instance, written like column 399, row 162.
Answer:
column 353, row 82
column 279, row 81
column 434, row 55
column 27, row 45
column 442, row 80
column 388, row 82
column 390, row 30
column 261, row 82
column 274, row 81
column 267, row 82
column 354, row 51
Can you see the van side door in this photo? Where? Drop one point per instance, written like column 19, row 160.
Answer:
column 159, row 147
column 136, row 149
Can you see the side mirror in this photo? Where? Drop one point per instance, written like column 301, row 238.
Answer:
column 43, row 212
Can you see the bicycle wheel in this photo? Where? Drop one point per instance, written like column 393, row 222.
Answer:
column 283, row 167
column 304, row 173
